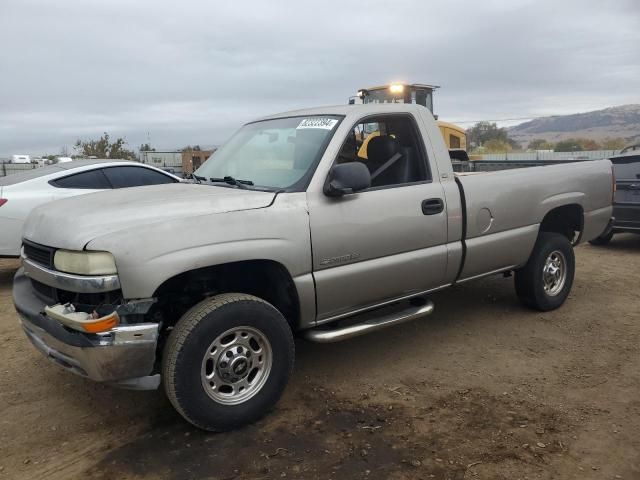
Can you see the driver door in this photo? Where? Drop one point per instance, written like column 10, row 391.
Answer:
column 382, row 243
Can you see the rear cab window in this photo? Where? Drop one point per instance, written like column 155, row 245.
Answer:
column 91, row 179
column 132, row 176
column 627, row 168
column 113, row 177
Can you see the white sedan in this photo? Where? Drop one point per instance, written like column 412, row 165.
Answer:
column 22, row 192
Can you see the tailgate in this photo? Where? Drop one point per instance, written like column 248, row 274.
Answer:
column 627, row 173
column 627, row 192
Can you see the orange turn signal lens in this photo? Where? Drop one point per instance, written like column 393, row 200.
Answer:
column 102, row 324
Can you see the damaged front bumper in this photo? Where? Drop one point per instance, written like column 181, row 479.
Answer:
column 124, row 355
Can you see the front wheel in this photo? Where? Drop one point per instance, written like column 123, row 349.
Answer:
column 545, row 281
column 227, row 361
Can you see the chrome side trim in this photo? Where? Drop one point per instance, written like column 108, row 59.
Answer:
column 69, row 281
column 357, row 311
column 492, row 272
column 338, row 334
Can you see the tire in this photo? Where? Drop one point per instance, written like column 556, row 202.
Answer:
column 602, row 239
column 538, row 284
column 198, row 354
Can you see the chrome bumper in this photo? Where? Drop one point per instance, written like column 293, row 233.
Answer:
column 124, row 356
column 68, row 281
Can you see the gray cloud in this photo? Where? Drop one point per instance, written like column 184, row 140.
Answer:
column 193, row 71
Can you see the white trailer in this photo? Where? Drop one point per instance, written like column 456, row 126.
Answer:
column 20, row 159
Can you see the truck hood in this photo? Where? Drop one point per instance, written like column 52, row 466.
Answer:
column 73, row 222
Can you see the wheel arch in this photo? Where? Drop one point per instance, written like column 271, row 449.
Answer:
column 567, row 219
column 266, row 279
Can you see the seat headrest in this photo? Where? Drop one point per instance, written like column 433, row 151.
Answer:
column 382, row 148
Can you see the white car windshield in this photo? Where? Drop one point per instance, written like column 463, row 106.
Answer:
column 279, row 154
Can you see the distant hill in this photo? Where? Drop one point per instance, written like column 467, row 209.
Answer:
column 622, row 121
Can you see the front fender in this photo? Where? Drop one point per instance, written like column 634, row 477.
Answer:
column 148, row 256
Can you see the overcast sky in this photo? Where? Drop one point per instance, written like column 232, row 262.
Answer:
column 191, row 72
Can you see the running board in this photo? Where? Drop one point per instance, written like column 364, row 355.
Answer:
column 343, row 333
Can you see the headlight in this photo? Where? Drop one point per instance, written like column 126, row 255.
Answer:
column 85, row 263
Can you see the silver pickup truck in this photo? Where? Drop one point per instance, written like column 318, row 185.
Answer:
column 291, row 228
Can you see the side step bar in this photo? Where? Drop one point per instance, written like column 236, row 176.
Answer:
column 343, row 333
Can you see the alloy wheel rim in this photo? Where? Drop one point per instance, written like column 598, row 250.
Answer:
column 554, row 273
column 236, row 365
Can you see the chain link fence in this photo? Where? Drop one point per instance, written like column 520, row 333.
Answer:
column 7, row 168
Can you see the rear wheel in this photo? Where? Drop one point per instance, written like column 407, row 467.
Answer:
column 602, row 239
column 545, row 281
column 227, row 361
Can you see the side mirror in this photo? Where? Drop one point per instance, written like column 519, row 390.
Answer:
column 345, row 178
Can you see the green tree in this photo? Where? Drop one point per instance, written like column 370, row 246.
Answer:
column 483, row 132
column 617, row 143
column 497, row 146
column 568, row 145
column 145, row 147
column 588, row 144
column 581, row 144
column 540, row 144
column 514, row 145
column 189, row 148
column 104, row 148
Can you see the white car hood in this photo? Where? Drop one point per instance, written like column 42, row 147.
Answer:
column 73, row 222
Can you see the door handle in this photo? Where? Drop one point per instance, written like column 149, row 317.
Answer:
column 432, row 206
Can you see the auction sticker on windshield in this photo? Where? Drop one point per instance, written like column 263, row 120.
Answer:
column 317, row 122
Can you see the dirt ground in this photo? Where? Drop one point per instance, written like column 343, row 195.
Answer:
column 482, row 389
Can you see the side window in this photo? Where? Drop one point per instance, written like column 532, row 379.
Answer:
column 454, row 141
column 92, row 179
column 390, row 148
column 124, row 177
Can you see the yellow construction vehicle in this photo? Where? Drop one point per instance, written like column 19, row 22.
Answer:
column 454, row 136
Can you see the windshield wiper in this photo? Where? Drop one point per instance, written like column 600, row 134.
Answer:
column 232, row 181
column 198, row 178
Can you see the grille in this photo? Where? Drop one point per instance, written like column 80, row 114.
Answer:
column 45, row 292
column 39, row 254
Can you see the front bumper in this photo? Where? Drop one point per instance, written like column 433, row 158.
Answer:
column 124, row 355
column 68, row 281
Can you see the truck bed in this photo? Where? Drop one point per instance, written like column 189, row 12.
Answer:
column 503, row 209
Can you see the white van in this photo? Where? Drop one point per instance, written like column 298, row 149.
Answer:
column 20, row 159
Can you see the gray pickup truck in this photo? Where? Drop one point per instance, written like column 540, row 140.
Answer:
column 626, row 203
column 326, row 223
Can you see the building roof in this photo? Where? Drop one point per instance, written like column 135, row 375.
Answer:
column 160, row 151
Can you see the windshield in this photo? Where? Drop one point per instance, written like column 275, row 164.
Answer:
column 273, row 154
